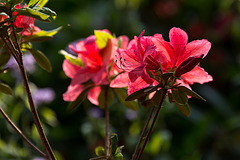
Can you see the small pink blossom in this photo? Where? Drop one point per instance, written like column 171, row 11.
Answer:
column 25, row 22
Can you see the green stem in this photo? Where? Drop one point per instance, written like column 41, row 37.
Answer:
column 152, row 125
column 21, row 134
column 142, row 134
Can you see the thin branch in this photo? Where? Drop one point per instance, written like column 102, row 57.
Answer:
column 21, row 134
column 152, row 125
column 35, row 115
column 107, row 139
column 36, row 118
column 143, row 134
column 10, row 49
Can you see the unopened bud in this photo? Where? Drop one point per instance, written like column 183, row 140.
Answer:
column 188, row 65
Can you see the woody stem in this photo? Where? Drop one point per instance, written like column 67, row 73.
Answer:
column 36, row 118
column 107, row 138
column 152, row 125
column 21, row 134
column 143, row 134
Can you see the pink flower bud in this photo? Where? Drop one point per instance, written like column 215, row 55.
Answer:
column 188, row 65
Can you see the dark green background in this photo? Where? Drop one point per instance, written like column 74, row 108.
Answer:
column 212, row 132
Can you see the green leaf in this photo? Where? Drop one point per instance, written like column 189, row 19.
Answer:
column 19, row 30
column 49, row 12
column 42, row 35
column 4, row 88
column 33, row 13
column 179, row 97
column 41, row 59
column 152, row 89
column 190, row 92
column 73, row 105
column 118, row 156
column 166, row 76
column 106, row 94
column 137, row 94
column 4, row 58
column 71, row 58
column 184, row 109
column 26, row 46
column 42, row 3
column 100, row 151
column 32, row 3
column 49, row 115
column 101, row 38
column 157, row 97
column 122, row 94
column 114, row 144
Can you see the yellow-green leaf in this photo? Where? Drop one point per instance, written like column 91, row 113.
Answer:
column 42, row 35
column 4, row 58
column 32, row 3
column 41, row 59
column 42, row 3
column 114, row 143
column 100, row 151
column 4, row 88
column 33, row 13
column 71, row 58
column 102, row 38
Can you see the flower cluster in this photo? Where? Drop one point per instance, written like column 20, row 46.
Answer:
column 25, row 22
column 141, row 63
column 95, row 53
column 148, row 55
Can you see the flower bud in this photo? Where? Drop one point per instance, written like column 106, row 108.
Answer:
column 188, row 65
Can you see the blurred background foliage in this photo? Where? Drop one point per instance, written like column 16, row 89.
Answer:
column 212, row 132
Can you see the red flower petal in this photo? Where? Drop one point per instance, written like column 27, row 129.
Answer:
column 195, row 48
column 120, row 81
column 197, row 75
column 72, row 92
column 178, row 40
column 136, row 85
column 69, row 69
column 93, row 95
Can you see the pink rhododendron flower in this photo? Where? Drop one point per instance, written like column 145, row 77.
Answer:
column 25, row 22
column 140, row 57
column 145, row 54
column 96, row 64
column 179, row 50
